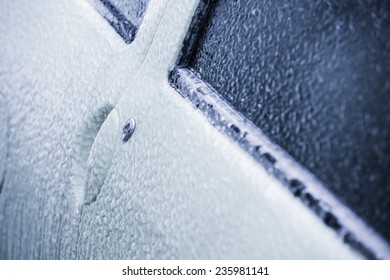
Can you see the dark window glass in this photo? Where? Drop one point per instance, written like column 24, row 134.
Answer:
column 315, row 77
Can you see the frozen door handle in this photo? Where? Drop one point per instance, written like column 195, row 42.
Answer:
column 96, row 142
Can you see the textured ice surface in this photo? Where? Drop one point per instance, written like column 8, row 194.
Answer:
column 59, row 63
column 299, row 181
column 3, row 139
column 87, row 141
column 180, row 189
column 314, row 76
column 177, row 189
column 134, row 10
column 100, row 158
column 124, row 15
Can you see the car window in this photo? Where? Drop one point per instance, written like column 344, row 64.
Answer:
column 314, row 77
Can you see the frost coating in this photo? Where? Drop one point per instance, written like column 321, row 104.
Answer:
column 83, row 157
column 100, row 157
column 313, row 76
column 311, row 192
column 176, row 191
column 3, row 140
column 86, row 66
column 133, row 10
column 124, row 15
column 181, row 189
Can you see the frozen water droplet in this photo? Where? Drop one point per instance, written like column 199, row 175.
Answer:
column 128, row 129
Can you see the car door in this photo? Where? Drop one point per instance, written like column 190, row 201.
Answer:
column 130, row 133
